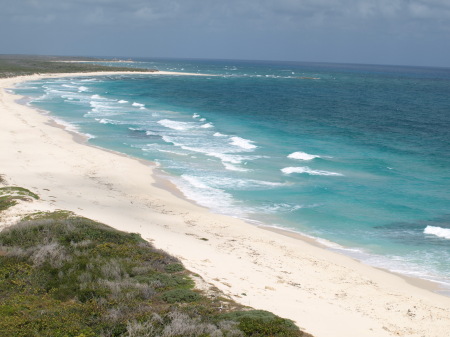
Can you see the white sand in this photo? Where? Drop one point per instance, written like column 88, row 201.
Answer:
column 327, row 294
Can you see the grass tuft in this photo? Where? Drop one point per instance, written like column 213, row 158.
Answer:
column 10, row 195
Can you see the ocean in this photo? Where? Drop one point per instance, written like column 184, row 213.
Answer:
column 355, row 156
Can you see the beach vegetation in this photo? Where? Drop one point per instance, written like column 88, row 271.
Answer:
column 263, row 323
column 174, row 268
column 180, row 296
column 10, row 195
column 65, row 275
column 20, row 65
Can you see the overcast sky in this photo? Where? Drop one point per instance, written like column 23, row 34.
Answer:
column 405, row 32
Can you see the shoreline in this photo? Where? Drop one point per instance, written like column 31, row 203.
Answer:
column 414, row 281
column 287, row 275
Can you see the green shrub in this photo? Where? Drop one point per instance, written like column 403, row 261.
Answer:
column 180, row 296
column 174, row 268
column 19, row 192
column 65, row 228
column 62, row 275
column 10, row 195
column 259, row 323
column 7, row 202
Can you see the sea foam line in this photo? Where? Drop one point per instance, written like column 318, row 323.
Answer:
column 307, row 170
column 243, row 143
column 302, row 156
column 176, row 125
column 438, row 231
column 139, row 105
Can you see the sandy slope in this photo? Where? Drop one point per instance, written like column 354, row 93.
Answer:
column 327, row 294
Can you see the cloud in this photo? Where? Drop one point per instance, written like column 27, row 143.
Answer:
column 281, row 28
column 272, row 14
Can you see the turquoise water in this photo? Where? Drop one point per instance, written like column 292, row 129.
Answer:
column 357, row 156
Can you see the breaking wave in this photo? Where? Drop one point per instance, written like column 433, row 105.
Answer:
column 307, row 170
column 438, row 231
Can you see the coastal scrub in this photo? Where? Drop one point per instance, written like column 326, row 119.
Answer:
column 64, row 275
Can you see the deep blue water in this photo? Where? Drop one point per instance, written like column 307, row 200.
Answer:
column 356, row 155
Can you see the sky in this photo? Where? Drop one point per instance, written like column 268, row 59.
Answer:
column 397, row 32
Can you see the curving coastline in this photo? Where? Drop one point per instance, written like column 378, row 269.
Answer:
column 283, row 274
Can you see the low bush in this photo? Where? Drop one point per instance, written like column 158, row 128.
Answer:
column 10, row 195
column 259, row 323
column 180, row 296
column 174, row 268
column 63, row 275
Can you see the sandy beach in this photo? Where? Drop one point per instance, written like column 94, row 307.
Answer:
column 325, row 293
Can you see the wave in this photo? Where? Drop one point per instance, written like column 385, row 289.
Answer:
column 231, row 167
column 279, row 208
column 122, row 101
column 139, row 105
column 82, row 89
column 72, row 127
column 107, row 121
column 302, row 156
column 195, row 115
column 172, row 152
column 243, row 143
column 104, row 108
column 207, row 125
column 221, row 151
column 438, row 231
column 307, row 170
column 218, row 134
column 180, row 126
column 232, row 183
column 216, row 199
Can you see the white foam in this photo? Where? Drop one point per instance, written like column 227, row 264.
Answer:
column 96, row 97
column 279, row 208
column 231, row 167
column 139, row 105
column 122, row 101
column 173, row 152
column 82, row 89
column 302, row 156
column 216, row 199
column 307, row 170
column 438, row 231
column 243, row 143
column 224, row 182
column 218, row 134
column 195, row 116
column 207, row 125
column 104, row 108
column 71, row 127
column 202, row 119
column 175, row 125
column 107, row 121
